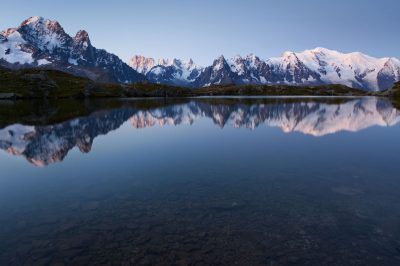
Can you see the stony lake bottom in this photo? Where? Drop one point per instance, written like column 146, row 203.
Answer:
column 208, row 181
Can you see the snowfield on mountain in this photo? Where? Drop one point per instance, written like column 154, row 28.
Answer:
column 311, row 67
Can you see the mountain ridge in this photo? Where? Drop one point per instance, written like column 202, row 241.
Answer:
column 317, row 66
column 166, row 71
column 43, row 43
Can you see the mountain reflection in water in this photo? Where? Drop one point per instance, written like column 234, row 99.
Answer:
column 46, row 143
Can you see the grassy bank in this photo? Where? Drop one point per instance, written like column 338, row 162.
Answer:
column 52, row 84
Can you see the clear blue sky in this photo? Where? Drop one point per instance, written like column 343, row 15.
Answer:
column 205, row 29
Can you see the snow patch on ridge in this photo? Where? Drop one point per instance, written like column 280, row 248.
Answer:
column 43, row 62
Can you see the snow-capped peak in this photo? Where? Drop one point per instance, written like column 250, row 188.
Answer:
column 252, row 57
column 82, row 35
column 46, row 34
column 170, row 71
column 323, row 50
column 237, row 64
column 352, row 69
column 237, row 58
column 141, row 64
column 40, row 24
column 38, row 41
column 32, row 20
column 8, row 32
column 145, row 64
column 190, row 62
column 82, row 38
column 219, row 63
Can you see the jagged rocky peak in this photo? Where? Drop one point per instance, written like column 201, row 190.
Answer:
column 252, row 58
column 141, row 64
column 144, row 64
column 219, row 63
column 170, row 71
column 238, row 64
column 44, row 34
column 184, row 64
column 82, row 37
column 290, row 57
column 221, row 58
column 163, row 62
column 39, row 23
column 32, row 20
column 170, row 62
column 392, row 62
column 191, row 65
column 8, row 32
column 174, row 62
column 237, row 59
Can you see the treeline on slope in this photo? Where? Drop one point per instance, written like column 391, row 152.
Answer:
column 54, row 84
column 394, row 94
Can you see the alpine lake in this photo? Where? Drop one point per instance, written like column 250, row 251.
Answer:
column 200, row 181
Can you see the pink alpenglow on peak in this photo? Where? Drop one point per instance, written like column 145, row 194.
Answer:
column 310, row 67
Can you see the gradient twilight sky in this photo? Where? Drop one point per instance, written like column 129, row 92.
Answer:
column 203, row 30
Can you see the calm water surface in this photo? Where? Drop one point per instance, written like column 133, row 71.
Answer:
column 217, row 181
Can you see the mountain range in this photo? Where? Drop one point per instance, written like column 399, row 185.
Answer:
column 308, row 68
column 43, row 43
